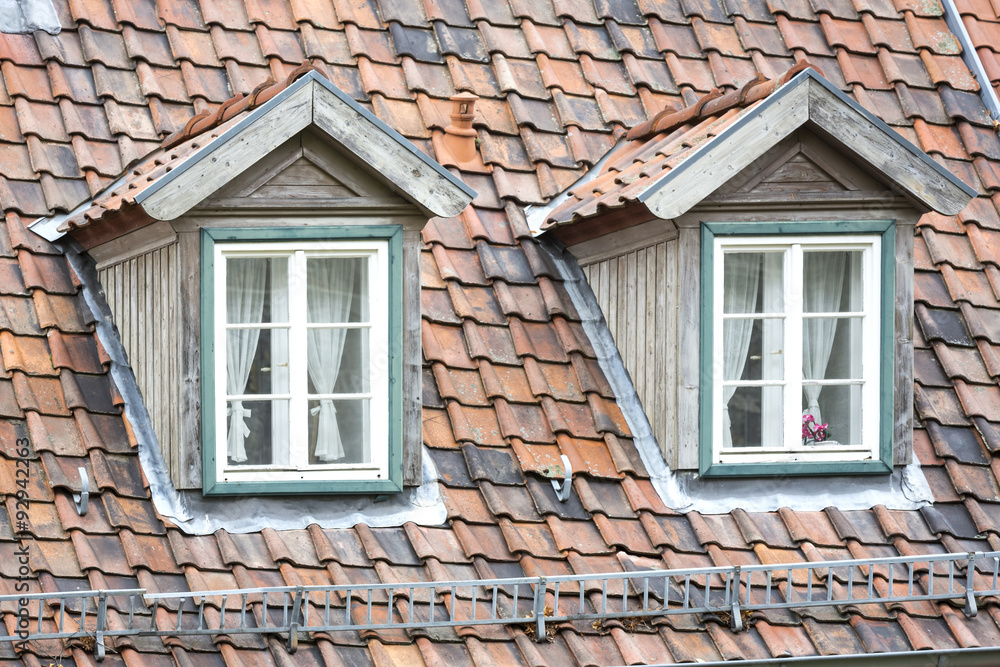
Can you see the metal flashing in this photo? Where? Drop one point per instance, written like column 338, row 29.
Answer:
column 48, row 228
column 536, row 215
column 27, row 16
column 971, row 58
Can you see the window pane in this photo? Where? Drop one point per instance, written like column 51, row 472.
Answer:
column 753, row 349
column 754, row 416
column 257, row 432
column 753, row 282
column 837, row 406
column 337, row 289
column 256, row 361
column 256, row 289
column 831, row 348
column 338, row 431
column 831, row 281
column 338, row 361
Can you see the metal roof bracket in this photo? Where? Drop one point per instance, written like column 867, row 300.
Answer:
column 735, row 613
column 82, row 499
column 293, row 629
column 563, row 488
column 970, row 585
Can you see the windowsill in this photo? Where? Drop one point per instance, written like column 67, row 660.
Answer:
column 295, row 487
column 797, row 468
column 808, row 454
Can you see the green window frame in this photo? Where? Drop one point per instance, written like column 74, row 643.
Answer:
column 709, row 466
column 392, row 235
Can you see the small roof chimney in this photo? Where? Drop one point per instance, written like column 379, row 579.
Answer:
column 456, row 147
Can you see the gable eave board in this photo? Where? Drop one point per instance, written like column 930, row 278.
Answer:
column 307, row 102
column 449, row 196
column 227, row 156
column 807, row 98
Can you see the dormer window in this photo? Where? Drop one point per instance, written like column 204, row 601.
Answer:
column 797, row 346
column 255, row 269
column 303, row 373
column 752, row 255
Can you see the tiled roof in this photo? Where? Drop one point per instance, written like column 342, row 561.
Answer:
column 511, row 381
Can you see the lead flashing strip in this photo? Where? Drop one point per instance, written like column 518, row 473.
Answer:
column 971, row 58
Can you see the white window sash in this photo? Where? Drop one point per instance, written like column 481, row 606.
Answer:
column 377, row 326
column 790, row 448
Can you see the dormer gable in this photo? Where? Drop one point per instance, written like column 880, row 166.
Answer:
column 678, row 159
column 229, row 145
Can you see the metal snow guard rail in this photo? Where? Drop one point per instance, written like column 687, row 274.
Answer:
column 535, row 602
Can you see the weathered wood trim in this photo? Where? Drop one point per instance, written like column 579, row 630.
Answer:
column 344, row 205
column 903, row 341
column 412, row 413
column 412, row 220
column 688, row 323
column 368, row 193
column 309, row 102
column 864, row 187
column 261, row 172
column 133, row 244
column 603, row 225
column 225, row 158
column 627, row 240
column 884, row 152
column 737, row 147
column 400, row 167
column 188, row 475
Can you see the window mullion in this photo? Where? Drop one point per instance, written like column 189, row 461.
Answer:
column 298, row 359
column 793, row 348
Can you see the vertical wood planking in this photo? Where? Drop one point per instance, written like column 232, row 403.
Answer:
column 633, row 290
column 141, row 293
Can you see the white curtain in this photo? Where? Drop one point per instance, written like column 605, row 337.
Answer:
column 822, row 286
column 245, row 280
column 330, row 286
column 742, row 277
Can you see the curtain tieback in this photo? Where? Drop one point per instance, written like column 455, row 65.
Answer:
column 241, row 415
column 325, row 404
